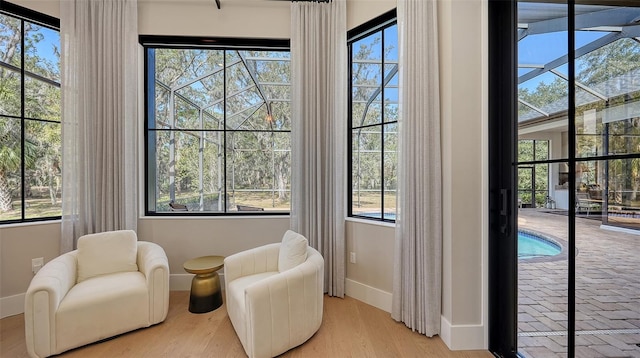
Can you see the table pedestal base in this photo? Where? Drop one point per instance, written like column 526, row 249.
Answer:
column 206, row 293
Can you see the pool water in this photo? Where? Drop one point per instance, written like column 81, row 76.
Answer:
column 530, row 245
column 376, row 215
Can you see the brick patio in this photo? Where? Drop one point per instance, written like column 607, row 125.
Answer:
column 607, row 292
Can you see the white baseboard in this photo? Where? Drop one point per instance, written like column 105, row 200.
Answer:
column 462, row 337
column 11, row 305
column 182, row 281
column 369, row 295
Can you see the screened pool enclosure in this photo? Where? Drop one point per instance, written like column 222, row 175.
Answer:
column 607, row 110
column 218, row 130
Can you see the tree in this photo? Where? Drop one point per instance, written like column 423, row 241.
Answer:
column 10, row 159
column 374, row 143
column 41, row 101
column 258, row 146
column 610, row 70
column 613, row 60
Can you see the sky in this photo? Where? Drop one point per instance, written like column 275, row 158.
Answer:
column 543, row 48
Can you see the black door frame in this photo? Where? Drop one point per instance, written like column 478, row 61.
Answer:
column 503, row 251
column 503, row 265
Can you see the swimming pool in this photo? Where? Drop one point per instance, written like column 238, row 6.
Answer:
column 531, row 245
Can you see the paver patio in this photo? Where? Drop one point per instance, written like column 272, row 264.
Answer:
column 607, row 291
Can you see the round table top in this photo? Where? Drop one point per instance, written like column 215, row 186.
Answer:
column 204, row 264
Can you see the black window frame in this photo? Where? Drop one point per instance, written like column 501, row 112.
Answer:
column 379, row 24
column 24, row 14
column 194, row 42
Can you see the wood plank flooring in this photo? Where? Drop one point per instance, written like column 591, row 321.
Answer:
column 350, row 328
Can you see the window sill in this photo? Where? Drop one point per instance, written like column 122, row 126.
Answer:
column 30, row 223
column 370, row 222
column 211, row 217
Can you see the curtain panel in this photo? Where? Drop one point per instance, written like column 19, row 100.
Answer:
column 99, row 122
column 417, row 284
column 319, row 112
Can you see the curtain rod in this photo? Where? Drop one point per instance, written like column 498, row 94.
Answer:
column 218, row 1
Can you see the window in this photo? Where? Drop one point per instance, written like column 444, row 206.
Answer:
column 218, row 126
column 373, row 119
column 30, row 159
column 533, row 176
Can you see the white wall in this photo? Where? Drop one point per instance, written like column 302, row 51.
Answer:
column 463, row 80
column 370, row 278
column 49, row 7
column 18, row 245
column 463, row 56
column 186, row 238
column 235, row 18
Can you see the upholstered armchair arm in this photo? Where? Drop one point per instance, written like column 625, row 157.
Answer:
column 290, row 301
column 153, row 263
column 249, row 262
column 46, row 291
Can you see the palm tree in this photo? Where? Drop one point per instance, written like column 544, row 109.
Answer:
column 10, row 159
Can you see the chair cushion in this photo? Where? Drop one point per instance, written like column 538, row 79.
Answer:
column 237, row 286
column 236, row 305
column 293, row 251
column 106, row 253
column 102, row 307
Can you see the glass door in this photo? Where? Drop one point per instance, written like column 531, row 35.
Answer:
column 568, row 239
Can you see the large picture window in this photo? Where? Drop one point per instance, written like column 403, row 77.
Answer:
column 30, row 161
column 218, row 128
column 373, row 119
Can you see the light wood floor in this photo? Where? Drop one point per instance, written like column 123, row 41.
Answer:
column 350, row 329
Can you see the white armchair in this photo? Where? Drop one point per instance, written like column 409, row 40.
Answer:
column 274, row 295
column 110, row 285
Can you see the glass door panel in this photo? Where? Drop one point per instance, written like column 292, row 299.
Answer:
column 542, row 275
column 607, row 265
column 543, row 152
column 607, row 149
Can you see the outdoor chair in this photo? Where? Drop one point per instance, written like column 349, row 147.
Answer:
column 177, row 207
column 248, row 208
column 585, row 203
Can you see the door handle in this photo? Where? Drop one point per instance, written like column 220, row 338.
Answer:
column 504, row 211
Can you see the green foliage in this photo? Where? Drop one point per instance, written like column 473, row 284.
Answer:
column 245, row 144
column 374, row 116
column 528, row 182
column 544, row 94
column 609, row 70
column 610, row 61
column 40, row 154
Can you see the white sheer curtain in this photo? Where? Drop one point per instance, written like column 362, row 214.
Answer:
column 417, row 283
column 319, row 97
column 99, row 96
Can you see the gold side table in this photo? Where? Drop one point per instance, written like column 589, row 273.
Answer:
column 206, row 293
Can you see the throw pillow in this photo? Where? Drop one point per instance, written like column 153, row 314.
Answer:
column 293, row 251
column 107, row 252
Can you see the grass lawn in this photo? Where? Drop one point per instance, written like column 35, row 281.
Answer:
column 35, row 208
